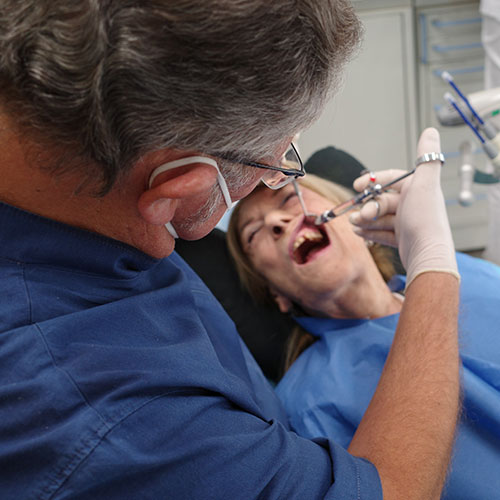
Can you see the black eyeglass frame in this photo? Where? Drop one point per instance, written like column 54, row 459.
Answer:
column 283, row 170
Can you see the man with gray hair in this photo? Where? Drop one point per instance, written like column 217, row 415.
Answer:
column 125, row 124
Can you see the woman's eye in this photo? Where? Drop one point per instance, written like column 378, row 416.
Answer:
column 252, row 235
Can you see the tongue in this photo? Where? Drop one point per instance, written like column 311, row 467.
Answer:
column 305, row 251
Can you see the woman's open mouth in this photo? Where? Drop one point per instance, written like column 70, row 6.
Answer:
column 307, row 243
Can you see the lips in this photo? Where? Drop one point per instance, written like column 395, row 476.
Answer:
column 306, row 242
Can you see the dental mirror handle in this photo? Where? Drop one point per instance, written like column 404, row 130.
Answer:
column 311, row 218
column 298, row 192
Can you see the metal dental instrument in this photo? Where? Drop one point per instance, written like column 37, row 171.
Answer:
column 368, row 194
column 471, row 125
column 485, row 125
column 448, row 78
column 310, row 217
column 490, row 145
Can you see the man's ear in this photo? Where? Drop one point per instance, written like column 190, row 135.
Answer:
column 157, row 204
column 283, row 302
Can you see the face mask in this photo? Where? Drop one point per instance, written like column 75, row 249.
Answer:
column 188, row 161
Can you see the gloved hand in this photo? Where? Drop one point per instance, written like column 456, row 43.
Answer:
column 412, row 216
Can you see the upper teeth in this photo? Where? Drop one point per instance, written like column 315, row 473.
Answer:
column 307, row 235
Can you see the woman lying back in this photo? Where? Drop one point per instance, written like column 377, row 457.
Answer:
column 347, row 300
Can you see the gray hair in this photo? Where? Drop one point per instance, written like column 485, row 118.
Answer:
column 108, row 81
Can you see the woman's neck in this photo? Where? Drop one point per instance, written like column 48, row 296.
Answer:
column 366, row 297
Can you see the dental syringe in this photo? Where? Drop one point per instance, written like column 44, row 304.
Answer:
column 366, row 195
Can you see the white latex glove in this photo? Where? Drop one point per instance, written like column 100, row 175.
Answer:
column 413, row 216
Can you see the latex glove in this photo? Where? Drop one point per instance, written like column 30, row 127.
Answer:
column 412, row 217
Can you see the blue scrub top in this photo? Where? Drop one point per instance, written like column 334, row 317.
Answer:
column 121, row 377
column 328, row 388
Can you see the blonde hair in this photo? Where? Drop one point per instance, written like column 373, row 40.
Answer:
column 258, row 286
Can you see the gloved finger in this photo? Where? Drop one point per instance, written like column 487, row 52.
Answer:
column 429, row 142
column 384, row 204
column 385, row 223
column 371, row 210
column 381, row 177
column 383, row 237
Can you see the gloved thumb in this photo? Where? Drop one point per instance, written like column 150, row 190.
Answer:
column 428, row 172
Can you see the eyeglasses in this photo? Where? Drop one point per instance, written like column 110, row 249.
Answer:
column 276, row 176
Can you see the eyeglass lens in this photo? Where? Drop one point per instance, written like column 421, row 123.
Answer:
column 275, row 179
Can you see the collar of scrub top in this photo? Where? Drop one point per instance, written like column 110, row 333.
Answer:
column 188, row 161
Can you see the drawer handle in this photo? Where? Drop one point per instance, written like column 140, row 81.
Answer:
column 455, row 154
column 459, row 71
column 451, row 48
column 449, row 202
column 458, row 22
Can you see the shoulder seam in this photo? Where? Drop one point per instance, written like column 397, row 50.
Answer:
column 54, row 362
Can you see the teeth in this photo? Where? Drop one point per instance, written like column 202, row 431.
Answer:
column 307, row 235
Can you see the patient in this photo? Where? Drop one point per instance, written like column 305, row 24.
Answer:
column 344, row 295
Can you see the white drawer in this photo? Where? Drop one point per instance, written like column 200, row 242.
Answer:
column 469, row 225
column 451, row 187
column 449, row 33
column 470, row 238
column 450, row 147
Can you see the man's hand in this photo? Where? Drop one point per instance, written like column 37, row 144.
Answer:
column 408, row 428
column 412, row 216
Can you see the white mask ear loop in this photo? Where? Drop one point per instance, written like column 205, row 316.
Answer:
column 171, row 230
column 188, row 161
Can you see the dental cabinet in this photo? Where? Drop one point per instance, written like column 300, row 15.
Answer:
column 449, row 38
column 392, row 88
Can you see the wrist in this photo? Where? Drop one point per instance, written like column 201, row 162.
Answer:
column 438, row 257
column 449, row 271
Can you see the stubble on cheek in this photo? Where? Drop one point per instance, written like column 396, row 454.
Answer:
column 236, row 178
column 204, row 213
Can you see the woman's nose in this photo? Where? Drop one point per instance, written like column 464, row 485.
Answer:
column 277, row 221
